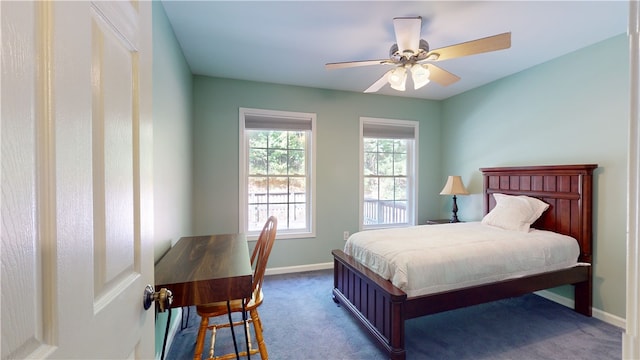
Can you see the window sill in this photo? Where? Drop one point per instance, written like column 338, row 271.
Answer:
column 286, row 235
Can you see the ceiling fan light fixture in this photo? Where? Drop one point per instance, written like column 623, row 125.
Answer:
column 432, row 56
column 420, row 75
column 398, row 78
column 410, row 53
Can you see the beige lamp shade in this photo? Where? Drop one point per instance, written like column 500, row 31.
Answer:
column 454, row 186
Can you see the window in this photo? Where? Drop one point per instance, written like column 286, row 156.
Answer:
column 388, row 160
column 277, row 171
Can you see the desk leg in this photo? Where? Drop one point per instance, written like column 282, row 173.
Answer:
column 233, row 333
column 246, row 330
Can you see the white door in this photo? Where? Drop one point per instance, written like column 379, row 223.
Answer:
column 76, row 173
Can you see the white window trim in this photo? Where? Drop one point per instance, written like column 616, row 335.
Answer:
column 244, row 168
column 413, row 181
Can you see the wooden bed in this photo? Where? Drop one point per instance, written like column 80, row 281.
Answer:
column 382, row 308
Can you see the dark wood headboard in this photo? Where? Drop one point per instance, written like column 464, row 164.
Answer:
column 568, row 189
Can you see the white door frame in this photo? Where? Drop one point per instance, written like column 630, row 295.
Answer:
column 631, row 337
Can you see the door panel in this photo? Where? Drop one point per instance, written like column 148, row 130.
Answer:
column 113, row 68
column 25, row 299
column 76, row 180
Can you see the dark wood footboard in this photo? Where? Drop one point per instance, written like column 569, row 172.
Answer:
column 373, row 301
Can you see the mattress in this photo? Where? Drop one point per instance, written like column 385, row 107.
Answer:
column 429, row 259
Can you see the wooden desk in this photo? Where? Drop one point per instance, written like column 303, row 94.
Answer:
column 204, row 269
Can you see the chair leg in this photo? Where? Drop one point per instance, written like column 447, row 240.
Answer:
column 202, row 331
column 248, row 332
column 257, row 326
column 213, row 341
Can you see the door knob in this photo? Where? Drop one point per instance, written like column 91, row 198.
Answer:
column 164, row 298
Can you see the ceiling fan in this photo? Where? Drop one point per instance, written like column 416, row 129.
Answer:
column 412, row 54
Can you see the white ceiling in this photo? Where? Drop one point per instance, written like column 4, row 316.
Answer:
column 289, row 42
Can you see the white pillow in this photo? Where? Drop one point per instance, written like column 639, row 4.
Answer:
column 514, row 212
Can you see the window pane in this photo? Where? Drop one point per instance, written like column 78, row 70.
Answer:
column 370, row 145
column 257, row 138
column 278, row 190
column 400, row 189
column 385, row 164
column 258, row 161
column 296, row 140
column 296, row 162
column 257, row 190
column 257, row 216
column 370, row 211
column 277, row 162
column 386, row 188
column 297, row 216
column 297, row 188
column 277, row 139
column 370, row 164
column 400, row 164
column 281, row 212
column 399, row 212
column 371, row 189
column 385, row 145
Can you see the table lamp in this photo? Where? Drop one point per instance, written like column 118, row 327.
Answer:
column 454, row 186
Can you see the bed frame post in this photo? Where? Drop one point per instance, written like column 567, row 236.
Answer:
column 583, row 292
column 583, row 296
column 373, row 301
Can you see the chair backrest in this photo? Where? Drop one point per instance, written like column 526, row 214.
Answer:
column 261, row 252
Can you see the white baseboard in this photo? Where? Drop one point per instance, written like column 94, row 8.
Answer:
column 299, row 268
column 597, row 313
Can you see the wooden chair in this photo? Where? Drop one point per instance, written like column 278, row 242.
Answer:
column 259, row 260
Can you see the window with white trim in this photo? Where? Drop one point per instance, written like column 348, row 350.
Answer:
column 277, row 171
column 388, row 172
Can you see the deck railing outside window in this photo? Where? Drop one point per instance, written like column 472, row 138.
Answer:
column 384, row 212
column 290, row 207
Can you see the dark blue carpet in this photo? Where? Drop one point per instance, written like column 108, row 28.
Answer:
column 301, row 321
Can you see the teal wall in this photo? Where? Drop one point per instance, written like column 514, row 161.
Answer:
column 172, row 135
column 216, row 138
column 574, row 109
column 172, row 121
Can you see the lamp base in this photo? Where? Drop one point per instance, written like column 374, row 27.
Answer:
column 454, row 215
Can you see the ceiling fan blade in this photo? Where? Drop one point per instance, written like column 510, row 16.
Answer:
column 491, row 43
column 379, row 84
column 441, row 76
column 347, row 64
column 407, row 31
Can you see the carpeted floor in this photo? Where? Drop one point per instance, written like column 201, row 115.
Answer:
column 301, row 321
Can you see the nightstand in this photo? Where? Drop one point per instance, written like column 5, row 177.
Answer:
column 437, row 221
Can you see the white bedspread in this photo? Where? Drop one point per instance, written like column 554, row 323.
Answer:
column 434, row 258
